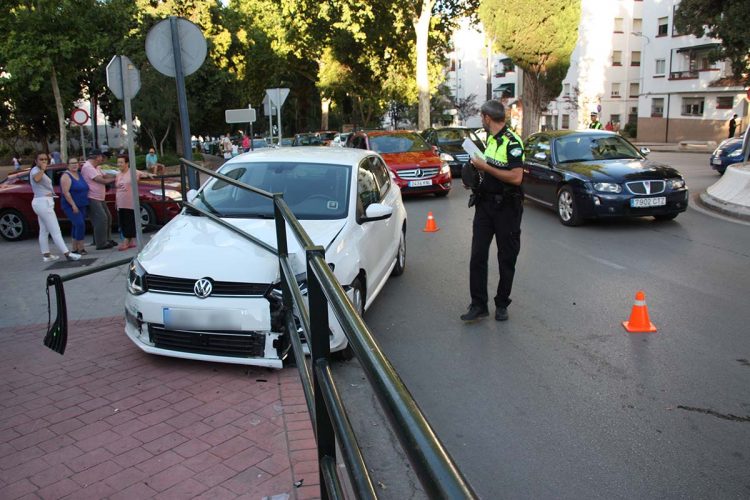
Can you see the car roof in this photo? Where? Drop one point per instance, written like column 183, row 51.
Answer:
column 563, row 133
column 304, row 154
column 375, row 133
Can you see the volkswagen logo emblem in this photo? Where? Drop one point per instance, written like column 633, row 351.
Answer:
column 203, row 288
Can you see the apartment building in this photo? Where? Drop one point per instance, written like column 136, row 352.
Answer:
column 635, row 69
column 474, row 66
column 684, row 96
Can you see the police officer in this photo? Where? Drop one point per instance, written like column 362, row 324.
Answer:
column 499, row 206
column 595, row 123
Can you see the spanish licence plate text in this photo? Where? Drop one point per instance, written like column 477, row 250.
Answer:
column 648, row 202
column 423, row 182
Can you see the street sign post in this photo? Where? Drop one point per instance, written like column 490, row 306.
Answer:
column 80, row 117
column 276, row 98
column 124, row 80
column 176, row 47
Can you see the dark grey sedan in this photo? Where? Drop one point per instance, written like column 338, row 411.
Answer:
column 592, row 174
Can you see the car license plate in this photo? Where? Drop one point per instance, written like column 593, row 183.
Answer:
column 648, row 202
column 424, row 182
column 202, row 319
column 716, row 161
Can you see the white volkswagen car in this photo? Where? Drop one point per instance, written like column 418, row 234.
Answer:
column 200, row 291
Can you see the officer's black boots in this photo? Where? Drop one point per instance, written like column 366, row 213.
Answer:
column 501, row 314
column 474, row 313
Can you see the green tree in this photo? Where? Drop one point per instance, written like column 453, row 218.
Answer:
column 539, row 37
column 726, row 20
column 428, row 17
column 48, row 47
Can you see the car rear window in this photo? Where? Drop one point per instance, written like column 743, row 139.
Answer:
column 398, row 143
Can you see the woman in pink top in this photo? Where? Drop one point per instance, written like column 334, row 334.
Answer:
column 124, row 200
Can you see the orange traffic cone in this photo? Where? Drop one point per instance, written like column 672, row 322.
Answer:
column 430, row 226
column 639, row 321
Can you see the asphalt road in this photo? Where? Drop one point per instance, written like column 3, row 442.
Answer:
column 560, row 401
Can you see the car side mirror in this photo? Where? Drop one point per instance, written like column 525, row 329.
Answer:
column 191, row 195
column 541, row 156
column 645, row 151
column 376, row 211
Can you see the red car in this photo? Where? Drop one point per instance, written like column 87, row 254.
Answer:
column 416, row 165
column 18, row 220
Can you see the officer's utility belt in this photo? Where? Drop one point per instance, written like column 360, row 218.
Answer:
column 510, row 194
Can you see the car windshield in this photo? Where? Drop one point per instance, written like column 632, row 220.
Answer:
column 312, row 190
column 327, row 136
column 398, row 143
column 455, row 136
column 575, row 148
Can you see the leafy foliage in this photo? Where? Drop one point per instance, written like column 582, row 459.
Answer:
column 539, row 37
column 726, row 20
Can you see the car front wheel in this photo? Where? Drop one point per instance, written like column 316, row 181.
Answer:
column 358, row 301
column 567, row 210
column 398, row 269
column 13, row 226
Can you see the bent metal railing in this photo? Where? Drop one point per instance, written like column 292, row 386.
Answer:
column 436, row 470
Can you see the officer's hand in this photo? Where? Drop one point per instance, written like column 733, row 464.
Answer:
column 479, row 163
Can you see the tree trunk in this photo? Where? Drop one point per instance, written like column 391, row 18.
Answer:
column 325, row 106
column 531, row 109
column 422, row 28
column 166, row 134
column 60, row 116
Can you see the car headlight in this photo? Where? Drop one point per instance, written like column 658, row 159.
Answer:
column 677, row 183
column 735, row 153
column 136, row 278
column 446, row 157
column 608, row 187
column 169, row 193
column 445, row 168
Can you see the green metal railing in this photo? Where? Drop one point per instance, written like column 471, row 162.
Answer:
column 436, row 470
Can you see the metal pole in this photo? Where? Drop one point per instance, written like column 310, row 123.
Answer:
column 131, row 152
column 182, row 101
column 270, row 121
column 83, row 144
column 252, row 148
column 278, row 113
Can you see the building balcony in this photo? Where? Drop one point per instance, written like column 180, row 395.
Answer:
column 684, row 75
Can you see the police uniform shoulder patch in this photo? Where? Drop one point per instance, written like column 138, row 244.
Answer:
column 516, row 152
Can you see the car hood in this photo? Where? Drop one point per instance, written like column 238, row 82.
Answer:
column 411, row 159
column 196, row 247
column 621, row 170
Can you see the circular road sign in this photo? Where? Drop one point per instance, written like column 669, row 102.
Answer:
column 79, row 116
column 159, row 50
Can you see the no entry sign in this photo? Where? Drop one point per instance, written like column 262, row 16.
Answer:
column 79, row 116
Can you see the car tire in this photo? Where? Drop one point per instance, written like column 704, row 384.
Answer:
column 398, row 269
column 567, row 208
column 358, row 301
column 13, row 226
column 148, row 217
column 665, row 217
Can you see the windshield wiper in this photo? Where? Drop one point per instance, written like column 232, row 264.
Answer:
column 243, row 215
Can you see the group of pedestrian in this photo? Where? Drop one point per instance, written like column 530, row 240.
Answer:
column 83, row 189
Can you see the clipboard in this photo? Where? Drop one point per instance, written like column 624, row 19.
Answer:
column 472, row 149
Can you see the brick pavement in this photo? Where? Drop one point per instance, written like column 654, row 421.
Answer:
column 108, row 421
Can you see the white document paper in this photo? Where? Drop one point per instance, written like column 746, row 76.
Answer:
column 472, row 149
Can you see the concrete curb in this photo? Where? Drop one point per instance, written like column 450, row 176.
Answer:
column 723, row 207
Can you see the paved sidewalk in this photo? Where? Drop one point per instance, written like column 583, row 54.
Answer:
column 108, row 421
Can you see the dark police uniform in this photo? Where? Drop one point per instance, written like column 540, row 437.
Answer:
column 499, row 207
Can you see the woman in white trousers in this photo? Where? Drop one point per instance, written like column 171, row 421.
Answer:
column 43, row 205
